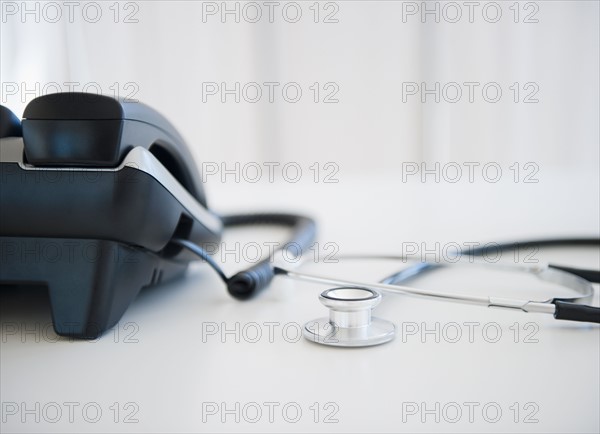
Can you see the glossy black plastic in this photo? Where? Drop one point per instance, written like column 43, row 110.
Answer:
column 94, row 237
column 80, row 129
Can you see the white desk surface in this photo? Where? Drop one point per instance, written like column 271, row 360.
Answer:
column 161, row 368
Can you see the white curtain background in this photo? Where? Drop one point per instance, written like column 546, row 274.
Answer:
column 368, row 54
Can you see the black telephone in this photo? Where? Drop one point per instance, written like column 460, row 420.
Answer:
column 100, row 198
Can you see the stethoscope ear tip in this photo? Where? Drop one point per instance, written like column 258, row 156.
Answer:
column 350, row 323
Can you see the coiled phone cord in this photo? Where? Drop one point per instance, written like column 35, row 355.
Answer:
column 247, row 283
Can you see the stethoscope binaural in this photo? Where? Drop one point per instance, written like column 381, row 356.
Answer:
column 350, row 303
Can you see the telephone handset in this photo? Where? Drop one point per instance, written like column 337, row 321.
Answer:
column 79, row 129
column 99, row 198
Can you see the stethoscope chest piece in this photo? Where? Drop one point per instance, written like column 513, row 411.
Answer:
column 350, row 323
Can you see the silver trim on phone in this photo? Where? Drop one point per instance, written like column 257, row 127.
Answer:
column 139, row 158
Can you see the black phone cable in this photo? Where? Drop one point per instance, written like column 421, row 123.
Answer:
column 247, row 283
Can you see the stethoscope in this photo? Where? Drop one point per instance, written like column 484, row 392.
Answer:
column 350, row 303
column 350, row 322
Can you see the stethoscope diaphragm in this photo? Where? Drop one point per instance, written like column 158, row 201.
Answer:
column 350, row 323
